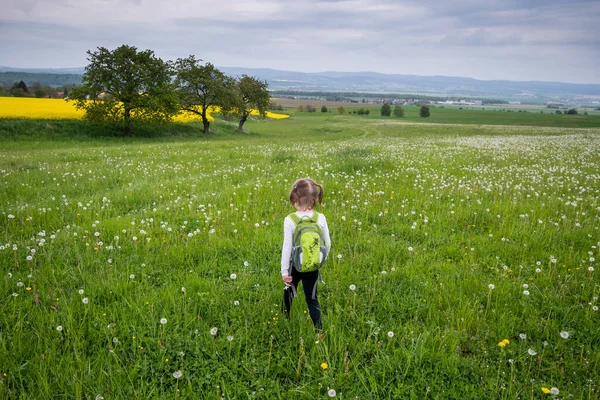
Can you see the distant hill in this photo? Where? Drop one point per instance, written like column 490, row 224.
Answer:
column 371, row 82
column 434, row 85
column 48, row 79
column 73, row 71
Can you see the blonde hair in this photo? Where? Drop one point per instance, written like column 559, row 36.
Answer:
column 305, row 193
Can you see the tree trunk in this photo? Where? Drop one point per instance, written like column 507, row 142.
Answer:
column 205, row 120
column 243, row 119
column 127, row 120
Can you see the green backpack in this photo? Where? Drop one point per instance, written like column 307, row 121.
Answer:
column 309, row 250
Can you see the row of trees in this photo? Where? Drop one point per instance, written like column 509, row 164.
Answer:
column 35, row 89
column 386, row 111
column 126, row 85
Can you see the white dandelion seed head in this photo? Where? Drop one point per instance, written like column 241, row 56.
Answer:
column 352, row 287
column 230, row 338
column 491, row 286
column 131, row 276
column 177, row 374
column 564, row 334
column 85, row 300
column 554, row 391
column 339, row 256
column 19, row 284
column 525, row 286
column 213, row 331
column 522, row 336
column 246, row 263
column 115, row 340
column 233, row 276
column 595, row 308
column 236, row 303
column 59, row 328
column 331, row 393
column 532, row 352
column 410, row 248
column 163, row 321
column 537, row 270
column 183, row 289
column 591, row 269
column 526, row 292
column 390, row 334
column 80, row 291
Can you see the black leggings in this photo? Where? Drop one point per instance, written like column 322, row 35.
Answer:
column 309, row 281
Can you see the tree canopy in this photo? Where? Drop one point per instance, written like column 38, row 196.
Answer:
column 386, row 110
column 125, row 85
column 200, row 86
column 398, row 111
column 253, row 94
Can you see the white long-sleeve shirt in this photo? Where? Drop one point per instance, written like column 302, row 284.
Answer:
column 288, row 232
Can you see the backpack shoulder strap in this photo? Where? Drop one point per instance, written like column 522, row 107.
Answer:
column 294, row 217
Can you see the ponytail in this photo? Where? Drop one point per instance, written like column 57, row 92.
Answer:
column 320, row 194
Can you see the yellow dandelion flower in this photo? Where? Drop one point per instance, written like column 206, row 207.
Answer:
column 28, row 288
column 324, row 365
column 501, row 344
column 546, row 390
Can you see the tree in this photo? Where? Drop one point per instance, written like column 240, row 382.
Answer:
column 386, row 110
column 324, row 109
column 40, row 93
column 341, row 110
column 125, row 86
column 253, row 94
column 572, row 111
column 398, row 111
column 424, row 112
column 19, row 89
column 202, row 86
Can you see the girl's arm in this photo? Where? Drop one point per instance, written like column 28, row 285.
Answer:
column 325, row 230
column 286, row 251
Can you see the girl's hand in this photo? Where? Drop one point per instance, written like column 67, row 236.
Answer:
column 287, row 279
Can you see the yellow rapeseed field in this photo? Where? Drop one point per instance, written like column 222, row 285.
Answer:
column 26, row 107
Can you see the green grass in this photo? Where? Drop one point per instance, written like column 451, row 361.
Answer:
column 483, row 115
column 423, row 219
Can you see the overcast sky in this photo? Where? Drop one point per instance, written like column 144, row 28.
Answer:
column 517, row 40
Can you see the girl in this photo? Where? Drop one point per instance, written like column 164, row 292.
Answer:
column 304, row 195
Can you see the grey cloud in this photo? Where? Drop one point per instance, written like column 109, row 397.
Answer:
column 437, row 37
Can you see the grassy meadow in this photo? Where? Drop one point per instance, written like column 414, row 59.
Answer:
column 464, row 261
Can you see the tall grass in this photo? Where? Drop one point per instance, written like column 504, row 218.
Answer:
column 446, row 241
